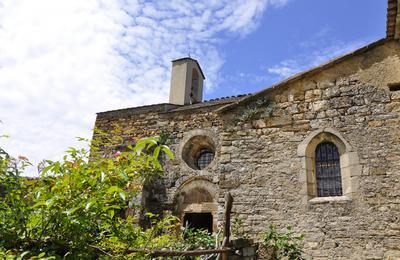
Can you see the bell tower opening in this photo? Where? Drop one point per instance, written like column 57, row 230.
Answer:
column 195, row 87
column 186, row 82
column 199, row 221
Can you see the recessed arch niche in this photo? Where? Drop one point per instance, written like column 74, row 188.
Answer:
column 197, row 195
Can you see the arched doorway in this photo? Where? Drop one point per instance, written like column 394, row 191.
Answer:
column 195, row 204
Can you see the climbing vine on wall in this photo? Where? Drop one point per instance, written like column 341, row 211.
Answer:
column 261, row 108
column 164, row 137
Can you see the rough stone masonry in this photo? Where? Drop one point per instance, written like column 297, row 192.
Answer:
column 261, row 148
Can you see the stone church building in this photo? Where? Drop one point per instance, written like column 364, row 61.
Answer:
column 319, row 151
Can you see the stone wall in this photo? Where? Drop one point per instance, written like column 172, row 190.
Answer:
column 137, row 123
column 263, row 169
column 257, row 159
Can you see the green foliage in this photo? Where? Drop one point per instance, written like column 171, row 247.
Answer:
column 192, row 239
column 262, row 107
column 164, row 137
column 238, row 228
column 76, row 209
column 283, row 245
column 196, row 238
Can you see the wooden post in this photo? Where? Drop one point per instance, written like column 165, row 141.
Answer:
column 227, row 224
column 227, row 220
column 225, row 256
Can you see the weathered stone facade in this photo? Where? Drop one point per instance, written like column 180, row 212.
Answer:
column 265, row 158
column 265, row 173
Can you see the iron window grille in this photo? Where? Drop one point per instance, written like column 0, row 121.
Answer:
column 327, row 165
column 204, row 159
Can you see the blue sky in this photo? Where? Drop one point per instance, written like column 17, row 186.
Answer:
column 62, row 61
column 293, row 31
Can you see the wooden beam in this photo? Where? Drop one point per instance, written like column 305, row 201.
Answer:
column 156, row 253
column 227, row 220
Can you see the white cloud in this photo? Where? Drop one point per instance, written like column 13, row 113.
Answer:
column 63, row 60
column 316, row 51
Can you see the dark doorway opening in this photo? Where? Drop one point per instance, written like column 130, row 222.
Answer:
column 198, row 221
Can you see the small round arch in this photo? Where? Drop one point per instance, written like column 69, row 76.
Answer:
column 197, row 195
column 193, row 144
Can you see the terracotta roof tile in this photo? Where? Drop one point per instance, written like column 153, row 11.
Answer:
column 209, row 103
column 170, row 108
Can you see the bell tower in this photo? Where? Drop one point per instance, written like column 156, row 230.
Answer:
column 393, row 20
column 186, row 82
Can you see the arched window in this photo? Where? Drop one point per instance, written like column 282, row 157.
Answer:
column 331, row 169
column 327, row 167
column 198, row 151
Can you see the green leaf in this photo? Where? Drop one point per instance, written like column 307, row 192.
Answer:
column 112, row 207
column 24, row 254
column 145, row 143
column 123, row 175
column 56, row 167
column 140, row 145
column 167, row 151
column 47, row 168
column 157, row 152
column 87, row 206
column 49, row 203
column 38, row 204
column 114, row 189
column 122, row 195
column 73, row 210
column 111, row 213
column 113, row 239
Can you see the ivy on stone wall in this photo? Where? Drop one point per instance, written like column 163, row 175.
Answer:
column 261, row 108
column 164, row 137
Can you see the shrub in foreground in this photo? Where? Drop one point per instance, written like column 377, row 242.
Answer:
column 76, row 208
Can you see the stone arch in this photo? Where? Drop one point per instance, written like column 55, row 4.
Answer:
column 196, row 195
column 349, row 163
column 192, row 143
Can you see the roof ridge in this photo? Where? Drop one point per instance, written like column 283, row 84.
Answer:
column 138, row 107
column 302, row 74
column 227, row 97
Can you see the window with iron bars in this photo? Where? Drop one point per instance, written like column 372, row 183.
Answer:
column 327, row 166
column 204, row 159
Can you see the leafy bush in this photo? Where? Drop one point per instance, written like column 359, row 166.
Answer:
column 238, row 228
column 193, row 239
column 282, row 245
column 196, row 239
column 76, row 208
